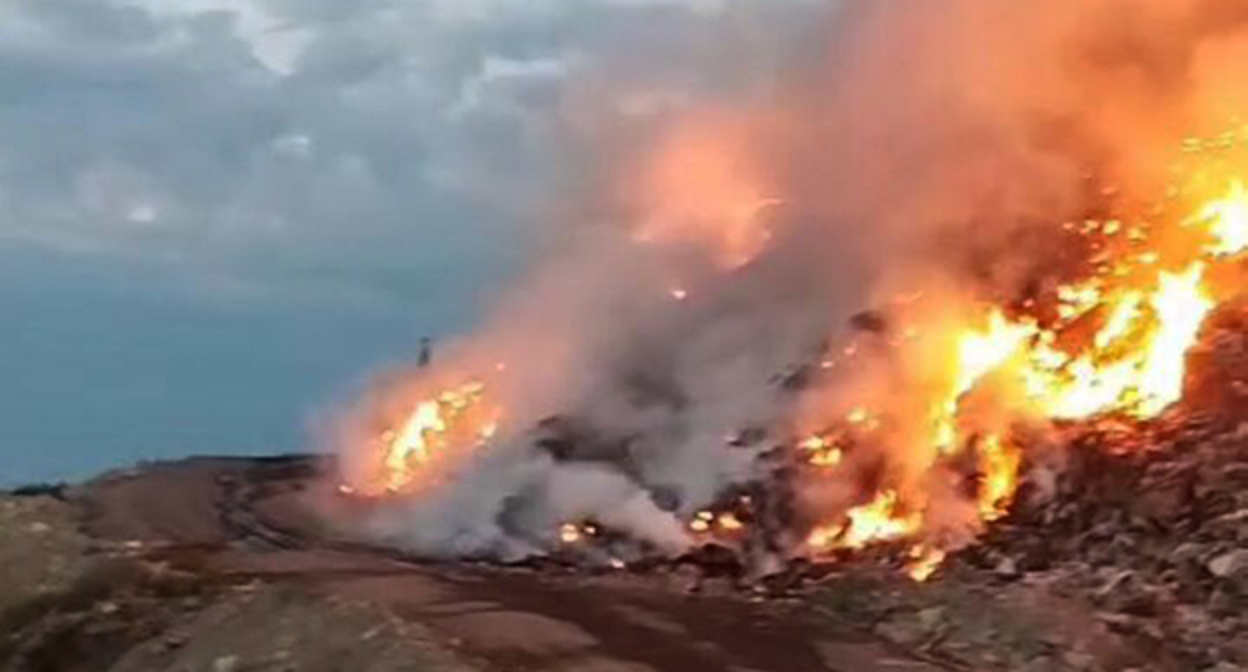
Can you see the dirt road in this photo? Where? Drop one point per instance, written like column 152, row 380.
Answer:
column 252, row 524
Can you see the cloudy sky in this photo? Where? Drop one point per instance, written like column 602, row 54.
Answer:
column 217, row 216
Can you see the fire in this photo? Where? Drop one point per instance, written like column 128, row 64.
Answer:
column 454, row 418
column 880, row 520
column 1114, row 343
column 1226, row 220
column 999, row 466
column 702, row 522
column 924, row 561
column 822, row 451
column 570, row 533
column 1135, row 363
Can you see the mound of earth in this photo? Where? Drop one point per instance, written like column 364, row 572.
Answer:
column 227, row 565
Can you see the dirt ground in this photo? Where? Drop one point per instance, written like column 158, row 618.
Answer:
column 229, row 566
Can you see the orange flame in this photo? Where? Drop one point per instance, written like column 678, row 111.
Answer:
column 454, row 418
column 880, row 520
column 1117, row 345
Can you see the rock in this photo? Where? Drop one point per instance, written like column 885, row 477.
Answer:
column 1223, row 603
column 1163, row 502
column 1079, row 660
column 687, row 578
column 905, row 629
column 225, row 664
column 1232, row 525
column 932, row 619
column 1127, row 593
column 1236, row 473
column 1229, row 565
column 1188, row 553
column 1007, row 568
column 1043, row 664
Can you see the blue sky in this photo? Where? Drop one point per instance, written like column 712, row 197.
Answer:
column 218, row 216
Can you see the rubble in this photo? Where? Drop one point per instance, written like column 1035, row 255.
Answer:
column 1152, row 534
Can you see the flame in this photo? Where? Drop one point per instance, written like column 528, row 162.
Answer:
column 456, row 417
column 1226, row 220
column 878, row 521
column 924, row 561
column 999, row 463
column 822, row 451
column 1114, row 343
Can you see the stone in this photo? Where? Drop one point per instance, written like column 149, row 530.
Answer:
column 932, row 619
column 1189, row 553
column 1229, row 565
column 1127, row 593
column 1007, row 568
column 1079, row 660
column 903, row 630
column 225, row 664
column 1223, row 603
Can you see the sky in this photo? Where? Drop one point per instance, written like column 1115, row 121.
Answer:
column 218, row 217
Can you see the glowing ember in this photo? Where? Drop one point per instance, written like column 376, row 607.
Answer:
column 822, row 451
column 702, row 522
column 570, row 533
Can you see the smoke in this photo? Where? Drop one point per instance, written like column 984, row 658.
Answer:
column 704, row 255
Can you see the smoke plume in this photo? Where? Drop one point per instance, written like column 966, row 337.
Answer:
column 704, row 256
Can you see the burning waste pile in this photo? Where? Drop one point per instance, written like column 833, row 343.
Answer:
column 1051, row 267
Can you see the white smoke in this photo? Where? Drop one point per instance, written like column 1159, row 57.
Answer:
column 915, row 143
